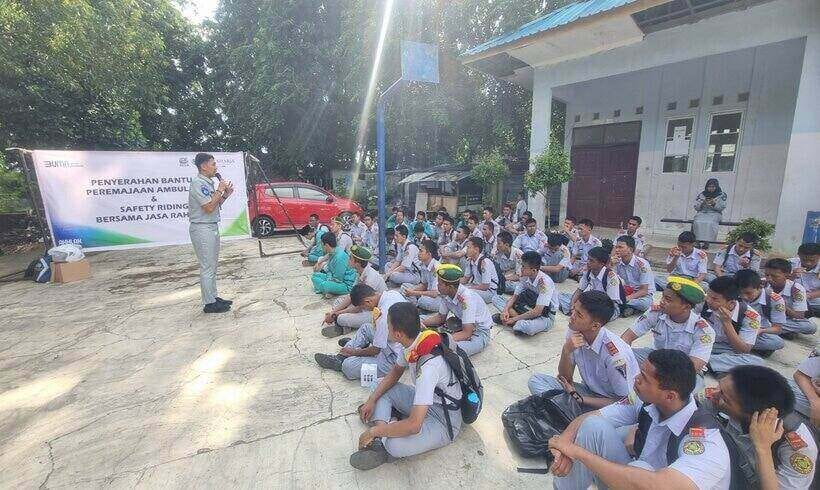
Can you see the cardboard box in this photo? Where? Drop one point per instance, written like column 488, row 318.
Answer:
column 70, row 271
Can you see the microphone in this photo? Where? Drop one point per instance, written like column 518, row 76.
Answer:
column 218, row 177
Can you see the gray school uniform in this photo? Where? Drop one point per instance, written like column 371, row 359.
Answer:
column 580, row 251
column 724, row 357
column 530, row 243
column 357, row 231
column 607, row 367
column 810, row 280
column 468, row 307
column 520, row 209
column 372, row 278
column 794, row 296
column 427, row 374
column 543, row 286
column 374, row 334
column 708, row 466
column 635, row 274
column 428, row 277
column 694, row 338
column 445, row 240
column 204, row 232
column 606, row 281
column 408, row 256
column 509, row 264
column 772, row 311
column 811, row 368
column 691, row 266
column 483, row 274
column 561, row 257
column 640, row 242
column 730, row 261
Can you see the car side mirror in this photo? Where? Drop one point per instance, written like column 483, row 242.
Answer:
column 329, row 199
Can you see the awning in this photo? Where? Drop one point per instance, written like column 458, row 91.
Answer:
column 447, row 176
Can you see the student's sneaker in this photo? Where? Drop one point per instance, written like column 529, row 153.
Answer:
column 370, row 457
column 307, row 263
column 497, row 319
column 224, row 301
column 331, row 331
column 762, row 353
column 627, row 312
column 328, row 361
column 788, row 335
column 216, row 307
column 343, row 341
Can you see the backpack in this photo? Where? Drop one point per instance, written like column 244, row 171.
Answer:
column 501, row 284
column 621, row 290
column 531, row 422
column 526, row 301
column 472, row 392
column 39, row 270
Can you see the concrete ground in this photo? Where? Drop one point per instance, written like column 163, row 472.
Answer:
column 121, row 381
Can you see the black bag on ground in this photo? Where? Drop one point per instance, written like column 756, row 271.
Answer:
column 531, row 422
column 526, row 301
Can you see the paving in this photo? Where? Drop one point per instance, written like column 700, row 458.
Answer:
column 120, row 381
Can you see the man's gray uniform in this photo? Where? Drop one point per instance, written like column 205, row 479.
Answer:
column 724, row 357
column 811, row 368
column 375, row 335
column 635, row 274
column 468, row 307
column 428, row 277
column 204, row 231
column 372, row 278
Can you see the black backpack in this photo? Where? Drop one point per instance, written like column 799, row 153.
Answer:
column 529, row 423
column 526, row 301
column 621, row 290
column 472, row 392
column 501, row 284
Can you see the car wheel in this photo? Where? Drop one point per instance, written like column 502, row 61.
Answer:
column 263, row 226
column 346, row 217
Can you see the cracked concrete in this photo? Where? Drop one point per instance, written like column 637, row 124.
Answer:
column 121, row 381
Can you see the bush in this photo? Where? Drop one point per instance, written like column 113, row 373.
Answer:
column 760, row 228
column 550, row 168
column 488, row 171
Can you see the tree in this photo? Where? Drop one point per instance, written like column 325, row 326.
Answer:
column 488, row 171
column 550, row 168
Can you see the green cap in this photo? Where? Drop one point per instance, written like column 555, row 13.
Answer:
column 449, row 272
column 361, row 253
column 686, row 289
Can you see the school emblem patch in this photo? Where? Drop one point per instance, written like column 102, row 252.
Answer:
column 780, row 307
column 705, row 338
column 801, row 463
column 798, row 295
column 621, row 368
column 376, row 314
column 693, row 448
column 206, row 191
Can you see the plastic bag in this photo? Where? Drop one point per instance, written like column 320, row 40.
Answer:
column 531, row 422
column 66, row 253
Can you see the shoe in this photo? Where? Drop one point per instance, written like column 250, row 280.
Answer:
column 370, row 457
column 343, row 341
column 763, row 353
column 306, row 263
column 331, row 331
column 216, row 307
column 224, row 301
column 497, row 319
column 519, row 333
column 627, row 312
column 788, row 335
column 327, row 361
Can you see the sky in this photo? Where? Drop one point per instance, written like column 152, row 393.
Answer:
column 199, row 10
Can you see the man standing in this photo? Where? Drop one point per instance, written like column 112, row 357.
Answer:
column 203, row 211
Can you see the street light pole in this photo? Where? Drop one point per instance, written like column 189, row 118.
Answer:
column 380, row 171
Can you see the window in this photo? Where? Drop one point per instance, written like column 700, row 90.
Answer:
column 312, row 194
column 678, row 144
column 282, row 192
column 724, row 138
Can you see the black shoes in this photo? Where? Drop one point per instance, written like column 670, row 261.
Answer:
column 331, row 331
column 343, row 341
column 370, row 457
column 224, row 301
column 327, row 361
column 497, row 319
column 216, row 307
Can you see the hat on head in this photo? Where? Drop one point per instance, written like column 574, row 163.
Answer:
column 686, row 289
column 338, row 221
column 449, row 272
column 361, row 253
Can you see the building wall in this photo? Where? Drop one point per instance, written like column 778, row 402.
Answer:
column 769, row 74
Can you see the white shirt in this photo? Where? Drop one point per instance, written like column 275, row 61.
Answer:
column 372, row 278
column 695, row 337
column 581, row 248
column 730, row 260
column 691, row 265
column 608, row 366
column 427, row 374
column 344, row 241
column 527, row 243
column 794, row 295
column 485, row 274
column 380, row 340
column 749, row 326
column 428, row 275
column 597, row 282
column 703, row 459
column 543, row 286
column 636, row 273
column 469, row 307
column 810, row 280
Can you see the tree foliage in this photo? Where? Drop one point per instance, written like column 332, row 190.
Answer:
column 761, row 228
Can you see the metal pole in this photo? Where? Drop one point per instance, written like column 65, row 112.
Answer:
column 380, row 169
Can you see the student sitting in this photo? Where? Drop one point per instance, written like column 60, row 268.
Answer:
column 741, row 255
column 344, row 315
column 427, row 229
column 472, row 226
column 447, row 233
column 684, row 260
column 488, row 233
column 771, row 307
column 397, row 218
column 370, row 344
column 794, row 295
column 636, row 275
column 735, row 325
column 481, row 275
column 597, row 277
column 570, row 229
column 418, row 233
column 605, row 362
column 675, row 445
column 806, row 272
column 315, row 251
column 471, row 322
column 806, row 386
column 536, row 312
column 508, row 259
column 425, row 294
column 422, row 424
column 532, row 239
column 581, row 247
column 757, row 401
column 555, row 258
column 631, row 230
column 405, row 267
column 457, row 249
column 506, row 222
column 336, row 276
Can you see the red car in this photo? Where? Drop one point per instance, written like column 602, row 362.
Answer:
column 299, row 200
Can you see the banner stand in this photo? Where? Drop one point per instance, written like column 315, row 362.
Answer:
column 21, row 159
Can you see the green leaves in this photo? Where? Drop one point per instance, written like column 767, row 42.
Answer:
column 761, row 228
column 552, row 167
column 489, row 169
